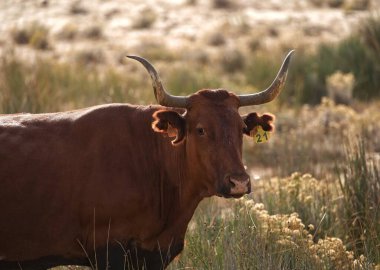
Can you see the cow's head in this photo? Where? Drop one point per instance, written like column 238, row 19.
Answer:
column 212, row 129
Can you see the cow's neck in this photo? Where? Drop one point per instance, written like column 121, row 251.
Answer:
column 181, row 179
column 179, row 196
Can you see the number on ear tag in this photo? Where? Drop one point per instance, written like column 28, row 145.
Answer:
column 259, row 135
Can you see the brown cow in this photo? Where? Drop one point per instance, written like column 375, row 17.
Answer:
column 116, row 185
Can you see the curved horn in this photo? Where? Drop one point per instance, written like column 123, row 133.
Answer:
column 272, row 91
column 162, row 97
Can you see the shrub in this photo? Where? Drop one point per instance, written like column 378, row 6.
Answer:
column 93, row 32
column 232, row 60
column 85, row 57
column 20, row 36
column 222, row 3
column 76, row 8
column 36, row 35
column 68, row 32
column 357, row 4
column 243, row 235
column 145, row 19
column 335, row 3
column 340, row 86
column 216, row 39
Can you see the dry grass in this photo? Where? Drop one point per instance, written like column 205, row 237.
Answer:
column 299, row 232
column 297, row 222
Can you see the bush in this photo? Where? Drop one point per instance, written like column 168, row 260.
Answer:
column 346, row 206
column 357, row 4
column 36, row 35
column 85, row 57
column 232, row 60
column 335, row 3
column 243, row 235
column 68, row 32
column 76, row 8
column 145, row 19
column 222, row 3
column 93, row 32
column 216, row 39
column 340, row 86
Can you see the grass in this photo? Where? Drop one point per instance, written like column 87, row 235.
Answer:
column 294, row 222
column 297, row 222
column 359, row 183
column 48, row 86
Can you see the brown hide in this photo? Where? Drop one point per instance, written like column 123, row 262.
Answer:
column 58, row 171
column 62, row 175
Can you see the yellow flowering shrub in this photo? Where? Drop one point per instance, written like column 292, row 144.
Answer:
column 292, row 234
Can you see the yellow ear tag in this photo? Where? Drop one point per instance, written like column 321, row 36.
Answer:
column 259, row 135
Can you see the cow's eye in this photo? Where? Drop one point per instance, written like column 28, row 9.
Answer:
column 201, row 131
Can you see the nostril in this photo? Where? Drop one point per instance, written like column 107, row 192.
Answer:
column 233, row 182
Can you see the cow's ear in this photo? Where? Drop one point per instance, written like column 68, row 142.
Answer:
column 253, row 120
column 170, row 123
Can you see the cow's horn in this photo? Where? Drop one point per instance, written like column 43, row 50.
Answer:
column 162, row 96
column 272, row 91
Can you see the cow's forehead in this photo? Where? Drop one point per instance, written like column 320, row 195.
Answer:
column 213, row 99
column 213, row 107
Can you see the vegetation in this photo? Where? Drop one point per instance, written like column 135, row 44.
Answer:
column 35, row 35
column 146, row 19
column 296, row 222
column 48, row 86
column 331, row 221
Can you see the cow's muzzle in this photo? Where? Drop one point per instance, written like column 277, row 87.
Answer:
column 240, row 184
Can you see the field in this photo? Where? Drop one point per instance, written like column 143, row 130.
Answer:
column 315, row 201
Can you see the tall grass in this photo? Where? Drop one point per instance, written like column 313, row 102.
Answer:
column 359, row 184
column 302, row 223
column 47, row 86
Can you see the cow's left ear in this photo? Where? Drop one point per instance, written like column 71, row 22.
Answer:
column 253, row 120
column 171, row 123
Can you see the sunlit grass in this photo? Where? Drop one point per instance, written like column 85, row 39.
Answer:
column 47, row 86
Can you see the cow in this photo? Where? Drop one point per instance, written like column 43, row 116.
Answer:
column 114, row 186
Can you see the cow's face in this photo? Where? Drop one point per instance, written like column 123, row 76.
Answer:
column 212, row 131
